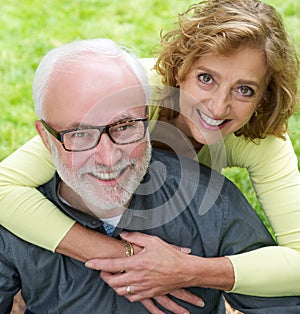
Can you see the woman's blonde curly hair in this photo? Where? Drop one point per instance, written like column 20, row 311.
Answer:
column 221, row 26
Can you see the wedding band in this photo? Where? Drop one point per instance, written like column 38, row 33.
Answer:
column 128, row 289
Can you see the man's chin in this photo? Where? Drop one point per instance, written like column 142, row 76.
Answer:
column 107, row 200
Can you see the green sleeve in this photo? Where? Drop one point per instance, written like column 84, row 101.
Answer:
column 273, row 170
column 269, row 272
column 23, row 209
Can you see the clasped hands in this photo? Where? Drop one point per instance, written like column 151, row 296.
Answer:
column 157, row 270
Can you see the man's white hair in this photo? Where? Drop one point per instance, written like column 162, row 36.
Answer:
column 76, row 51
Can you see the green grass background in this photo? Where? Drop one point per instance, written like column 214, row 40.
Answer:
column 29, row 28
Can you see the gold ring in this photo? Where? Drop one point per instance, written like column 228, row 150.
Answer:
column 128, row 289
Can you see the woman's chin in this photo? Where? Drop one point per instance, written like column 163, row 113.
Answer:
column 208, row 138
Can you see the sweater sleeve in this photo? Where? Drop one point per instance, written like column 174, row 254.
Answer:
column 273, row 170
column 23, row 209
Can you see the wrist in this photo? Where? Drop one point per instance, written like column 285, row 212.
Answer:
column 216, row 272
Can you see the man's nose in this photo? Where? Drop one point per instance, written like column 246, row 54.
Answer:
column 106, row 152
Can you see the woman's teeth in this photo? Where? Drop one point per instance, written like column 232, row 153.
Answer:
column 209, row 120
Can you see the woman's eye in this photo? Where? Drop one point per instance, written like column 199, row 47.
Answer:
column 246, row 91
column 205, row 78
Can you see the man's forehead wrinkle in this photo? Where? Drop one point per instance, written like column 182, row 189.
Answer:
column 127, row 114
column 124, row 116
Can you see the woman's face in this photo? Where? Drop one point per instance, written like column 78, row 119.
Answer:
column 220, row 93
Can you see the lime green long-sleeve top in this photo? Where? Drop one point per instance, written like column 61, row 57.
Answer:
column 273, row 170
column 272, row 166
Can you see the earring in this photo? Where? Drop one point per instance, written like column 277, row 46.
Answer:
column 255, row 113
column 177, row 85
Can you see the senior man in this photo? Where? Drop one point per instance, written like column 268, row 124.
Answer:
column 91, row 99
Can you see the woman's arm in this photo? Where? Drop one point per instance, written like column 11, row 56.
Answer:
column 31, row 216
column 269, row 271
column 21, row 205
column 28, row 214
column 159, row 269
column 273, row 170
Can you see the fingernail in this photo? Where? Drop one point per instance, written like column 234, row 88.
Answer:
column 124, row 233
column 185, row 250
column 200, row 303
column 88, row 264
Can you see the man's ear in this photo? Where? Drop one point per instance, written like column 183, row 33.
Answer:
column 42, row 133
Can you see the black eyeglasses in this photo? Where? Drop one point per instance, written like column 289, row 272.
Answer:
column 88, row 137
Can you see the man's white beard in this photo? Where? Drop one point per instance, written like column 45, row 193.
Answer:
column 103, row 198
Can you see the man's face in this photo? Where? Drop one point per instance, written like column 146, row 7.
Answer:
column 95, row 93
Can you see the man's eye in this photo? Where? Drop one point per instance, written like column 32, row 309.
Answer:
column 246, row 91
column 125, row 126
column 80, row 134
column 205, row 78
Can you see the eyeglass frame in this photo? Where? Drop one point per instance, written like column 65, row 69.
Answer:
column 102, row 129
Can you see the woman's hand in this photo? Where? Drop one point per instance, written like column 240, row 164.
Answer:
column 171, row 305
column 158, row 269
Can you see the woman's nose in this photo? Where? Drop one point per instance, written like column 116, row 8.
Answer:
column 219, row 105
